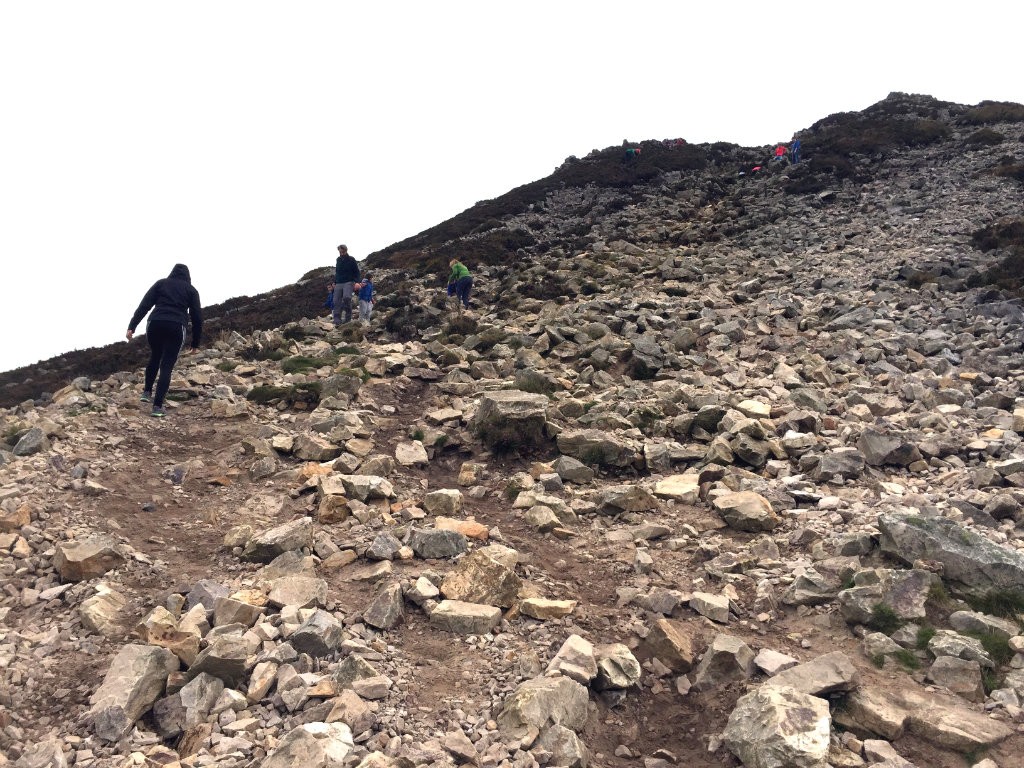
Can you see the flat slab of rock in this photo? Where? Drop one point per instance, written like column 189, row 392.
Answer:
column 462, row 618
column 891, row 713
column 830, row 673
column 88, row 558
column 672, row 643
column 293, row 535
column 969, row 560
column 746, row 511
column 683, row 488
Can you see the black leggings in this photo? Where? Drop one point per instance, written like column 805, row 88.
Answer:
column 165, row 342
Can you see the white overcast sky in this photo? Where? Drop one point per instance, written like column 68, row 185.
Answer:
column 247, row 139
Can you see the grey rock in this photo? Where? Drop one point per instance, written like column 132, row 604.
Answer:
column 293, row 535
column 319, row 635
column 134, row 681
column 778, row 727
column 434, row 544
column 541, row 702
column 728, row 659
column 970, row 561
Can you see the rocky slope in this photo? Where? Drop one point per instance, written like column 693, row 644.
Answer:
column 721, row 470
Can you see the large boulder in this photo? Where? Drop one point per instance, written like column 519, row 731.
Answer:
column 901, row 593
column 511, row 418
column 831, row 673
column 778, row 727
column 541, row 702
column 312, row 745
column 971, row 563
column 481, row 577
column 746, row 511
column 135, row 680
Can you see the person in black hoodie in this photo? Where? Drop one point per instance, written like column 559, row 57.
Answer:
column 175, row 302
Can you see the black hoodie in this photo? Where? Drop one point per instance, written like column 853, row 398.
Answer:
column 175, row 300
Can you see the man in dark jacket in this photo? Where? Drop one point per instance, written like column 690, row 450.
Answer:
column 346, row 274
column 175, row 302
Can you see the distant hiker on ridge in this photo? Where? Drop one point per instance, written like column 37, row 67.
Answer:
column 346, row 275
column 780, row 153
column 176, row 302
column 794, row 151
column 460, row 283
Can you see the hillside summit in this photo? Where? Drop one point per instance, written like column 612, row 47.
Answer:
column 720, row 470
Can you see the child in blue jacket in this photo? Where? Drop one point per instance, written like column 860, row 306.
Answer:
column 365, row 298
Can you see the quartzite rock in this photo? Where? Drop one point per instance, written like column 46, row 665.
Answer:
column 134, row 681
column 88, row 558
column 779, row 728
column 293, row 535
column 541, row 702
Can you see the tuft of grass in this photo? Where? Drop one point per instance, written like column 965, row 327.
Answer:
column 878, row 660
column 990, row 680
column 884, row 619
column 984, row 137
column 227, row 365
column 418, row 434
column 925, row 633
column 938, row 594
column 1007, row 603
column 907, row 659
column 997, row 647
column 994, row 112
column 306, row 394
column 303, row 363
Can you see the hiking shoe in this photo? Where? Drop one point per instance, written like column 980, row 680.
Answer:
column 146, row 397
column 157, row 412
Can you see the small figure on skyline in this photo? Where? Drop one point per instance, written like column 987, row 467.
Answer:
column 780, row 153
column 174, row 302
column 346, row 275
column 329, row 301
column 632, row 155
column 794, row 151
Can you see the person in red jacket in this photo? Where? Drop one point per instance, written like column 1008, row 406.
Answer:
column 780, row 153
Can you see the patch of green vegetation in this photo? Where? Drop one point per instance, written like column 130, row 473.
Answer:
column 305, row 394
column 254, row 352
column 990, row 679
column 996, row 646
column 994, row 112
column 347, row 350
column 418, row 434
column 925, row 633
column 884, row 619
column 1007, row 603
column 303, row 363
column 227, row 365
column 938, row 594
column 442, row 440
column 358, row 373
column 878, row 660
column 985, row 137
column 907, row 658
column 295, row 333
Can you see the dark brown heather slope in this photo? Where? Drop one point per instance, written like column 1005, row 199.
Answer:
column 553, row 217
